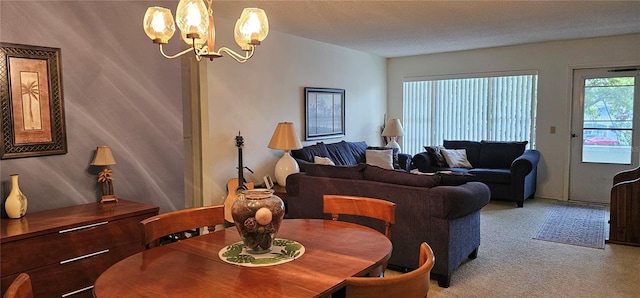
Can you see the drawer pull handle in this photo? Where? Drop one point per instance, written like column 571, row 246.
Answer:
column 77, row 291
column 84, row 257
column 83, row 227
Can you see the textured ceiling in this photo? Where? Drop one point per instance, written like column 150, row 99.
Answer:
column 406, row 28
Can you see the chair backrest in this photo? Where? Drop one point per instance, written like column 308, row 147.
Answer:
column 361, row 206
column 410, row 284
column 20, row 287
column 158, row 226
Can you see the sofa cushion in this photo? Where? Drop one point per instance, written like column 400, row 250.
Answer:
column 341, row 153
column 436, row 155
column 456, row 158
column 380, row 158
column 396, row 163
column 358, row 150
column 379, row 174
column 499, row 155
column 344, row 172
column 492, row 175
column 473, row 149
column 323, row 160
column 308, row 152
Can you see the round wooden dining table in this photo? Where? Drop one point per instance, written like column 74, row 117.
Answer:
column 334, row 251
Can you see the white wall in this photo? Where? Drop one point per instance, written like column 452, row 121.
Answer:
column 554, row 62
column 255, row 96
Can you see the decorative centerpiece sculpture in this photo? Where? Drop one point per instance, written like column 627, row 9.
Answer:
column 257, row 214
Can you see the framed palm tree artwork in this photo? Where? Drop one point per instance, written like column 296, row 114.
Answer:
column 31, row 101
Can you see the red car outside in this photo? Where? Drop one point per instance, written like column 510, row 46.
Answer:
column 602, row 140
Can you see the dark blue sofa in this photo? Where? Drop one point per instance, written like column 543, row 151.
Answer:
column 344, row 153
column 508, row 168
column 442, row 210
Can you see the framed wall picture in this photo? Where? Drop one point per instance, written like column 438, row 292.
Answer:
column 324, row 113
column 31, row 101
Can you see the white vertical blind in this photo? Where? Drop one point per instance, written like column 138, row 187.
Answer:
column 489, row 107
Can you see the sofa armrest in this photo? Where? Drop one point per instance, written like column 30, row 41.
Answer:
column 423, row 162
column 451, row 202
column 524, row 175
column 405, row 161
column 525, row 163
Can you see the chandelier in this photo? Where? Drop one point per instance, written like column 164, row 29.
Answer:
column 195, row 21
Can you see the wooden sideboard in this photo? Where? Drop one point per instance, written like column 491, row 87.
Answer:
column 624, row 223
column 65, row 250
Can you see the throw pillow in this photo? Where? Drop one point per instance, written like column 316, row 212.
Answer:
column 456, row 158
column 396, row 163
column 308, row 152
column 378, row 174
column 380, row 158
column 340, row 153
column 344, row 172
column 323, row 160
column 434, row 152
column 358, row 150
column 472, row 147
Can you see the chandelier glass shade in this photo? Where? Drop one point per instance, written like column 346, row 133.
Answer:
column 197, row 29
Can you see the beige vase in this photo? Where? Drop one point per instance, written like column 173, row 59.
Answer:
column 16, row 203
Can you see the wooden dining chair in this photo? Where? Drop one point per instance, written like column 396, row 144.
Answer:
column 158, row 226
column 20, row 287
column 411, row 284
column 361, row 206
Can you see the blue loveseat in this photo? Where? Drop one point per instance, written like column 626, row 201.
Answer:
column 508, row 168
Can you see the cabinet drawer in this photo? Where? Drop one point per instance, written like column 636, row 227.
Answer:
column 20, row 256
column 57, row 280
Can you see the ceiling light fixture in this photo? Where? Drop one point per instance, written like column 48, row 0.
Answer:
column 195, row 21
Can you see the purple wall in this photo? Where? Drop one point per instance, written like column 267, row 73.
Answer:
column 117, row 90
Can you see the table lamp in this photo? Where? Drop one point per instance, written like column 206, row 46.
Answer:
column 393, row 130
column 285, row 138
column 104, row 158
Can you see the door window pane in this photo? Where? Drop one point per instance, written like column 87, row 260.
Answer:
column 608, row 120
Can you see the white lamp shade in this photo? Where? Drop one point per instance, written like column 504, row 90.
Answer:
column 285, row 167
column 393, row 129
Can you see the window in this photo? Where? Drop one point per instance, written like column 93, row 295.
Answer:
column 608, row 119
column 482, row 107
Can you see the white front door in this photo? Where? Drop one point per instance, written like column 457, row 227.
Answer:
column 605, row 130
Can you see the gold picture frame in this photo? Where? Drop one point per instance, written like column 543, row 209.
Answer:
column 31, row 101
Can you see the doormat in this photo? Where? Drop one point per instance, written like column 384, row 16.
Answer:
column 575, row 224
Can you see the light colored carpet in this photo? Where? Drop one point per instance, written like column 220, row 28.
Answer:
column 574, row 223
column 511, row 263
